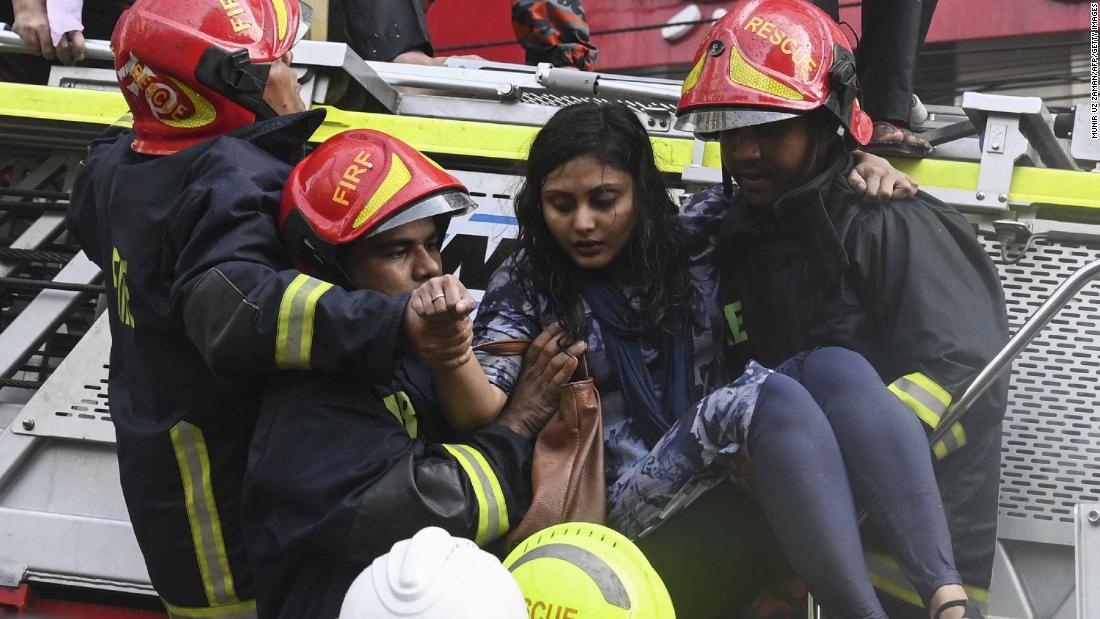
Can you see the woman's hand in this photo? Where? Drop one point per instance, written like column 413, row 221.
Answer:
column 442, row 299
column 70, row 49
column 438, row 325
column 878, row 180
column 546, row 367
column 33, row 27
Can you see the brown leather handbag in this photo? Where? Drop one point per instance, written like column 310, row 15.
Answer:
column 567, row 474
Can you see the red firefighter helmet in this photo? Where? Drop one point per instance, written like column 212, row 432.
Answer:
column 360, row 183
column 767, row 60
column 195, row 69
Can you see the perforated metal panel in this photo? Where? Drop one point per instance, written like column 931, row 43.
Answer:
column 73, row 402
column 1051, row 452
column 555, row 100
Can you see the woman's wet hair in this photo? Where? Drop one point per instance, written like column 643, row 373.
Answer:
column 652, row 264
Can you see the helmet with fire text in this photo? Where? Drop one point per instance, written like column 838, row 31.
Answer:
column 768, row 60
column 434, row 576
column 357, row 184
column 582, row 570
column 192, row 70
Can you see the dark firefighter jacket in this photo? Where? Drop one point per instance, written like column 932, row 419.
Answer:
column 907, row 285
column 197, row 279
column 339, row 471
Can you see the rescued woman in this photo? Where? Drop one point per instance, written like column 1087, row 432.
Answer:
column 804, row 265
column 604, row 252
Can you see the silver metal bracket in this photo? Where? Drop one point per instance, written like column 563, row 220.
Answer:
column 73, row 402
column 1088, row 560
column 1085, row 144
column 657, row 119
column 696, row 176
column 1012, row 128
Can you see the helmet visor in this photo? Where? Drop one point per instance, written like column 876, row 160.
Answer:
column 305, row 18
column 707, row 124
column 448, row 203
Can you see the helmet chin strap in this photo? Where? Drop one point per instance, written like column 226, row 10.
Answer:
column 236, row 77
column 727, row 182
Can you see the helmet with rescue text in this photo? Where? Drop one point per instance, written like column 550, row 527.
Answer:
column 769, row 60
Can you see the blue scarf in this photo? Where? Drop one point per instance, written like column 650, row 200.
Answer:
column 623, row 330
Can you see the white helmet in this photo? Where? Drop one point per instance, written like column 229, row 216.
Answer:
column 434, row 575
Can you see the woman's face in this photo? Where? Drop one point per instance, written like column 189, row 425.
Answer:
column 589, row 208
column 771, row 159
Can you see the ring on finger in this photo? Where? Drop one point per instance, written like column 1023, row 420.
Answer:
column 439, row 296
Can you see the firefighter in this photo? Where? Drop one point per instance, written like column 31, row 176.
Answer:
column 908, row 285
column 180, row 213
column 340, row 470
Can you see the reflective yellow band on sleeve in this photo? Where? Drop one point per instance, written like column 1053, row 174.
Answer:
column 202, row 514
column 492, row 511
column 955, row 439
column 929, row 402
column 920, row 393
column 887, row 577
column 240, row 610
column 294, row 334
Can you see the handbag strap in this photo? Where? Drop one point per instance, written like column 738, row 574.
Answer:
column 516, row 348
column 504, row 348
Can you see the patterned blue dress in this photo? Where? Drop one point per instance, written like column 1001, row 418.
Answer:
column 645, row 486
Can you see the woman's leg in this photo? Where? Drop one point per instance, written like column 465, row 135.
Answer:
column 889, row 464
column 800, row 479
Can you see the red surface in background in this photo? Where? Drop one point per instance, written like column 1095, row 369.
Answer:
column 452, row 22
column 24, row 600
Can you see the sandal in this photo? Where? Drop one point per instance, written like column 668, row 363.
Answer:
column 888, row 139
column 970, row 610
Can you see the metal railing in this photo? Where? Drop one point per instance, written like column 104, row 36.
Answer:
column 1003, row 359
column 93, row 49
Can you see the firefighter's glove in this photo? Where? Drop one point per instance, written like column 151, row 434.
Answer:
column 546, row 367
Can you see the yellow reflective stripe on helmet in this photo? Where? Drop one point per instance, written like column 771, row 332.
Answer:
column 202, row 513
column 886, row 576
column 240, row 610
column 929, row 402
column 281, row 21
column 294, row 333
column 745, row 74
column 693, row 77
column 492, row 512
column 203, row 114
column 396, row 178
